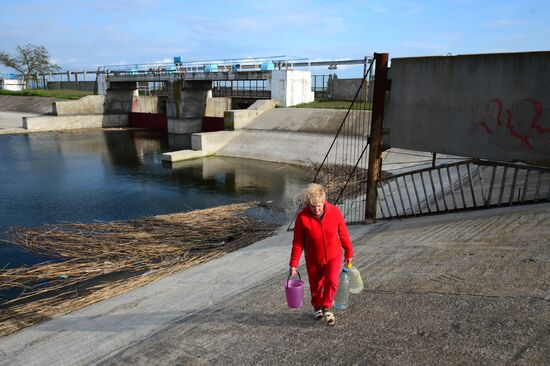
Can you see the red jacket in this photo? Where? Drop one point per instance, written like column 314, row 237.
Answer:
column 322, row 239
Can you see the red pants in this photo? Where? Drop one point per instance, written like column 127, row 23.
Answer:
column 323, row 282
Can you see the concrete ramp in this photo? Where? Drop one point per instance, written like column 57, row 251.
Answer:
column 307, row 120
column 286, row 135
column 469, row 288
column 38, row 105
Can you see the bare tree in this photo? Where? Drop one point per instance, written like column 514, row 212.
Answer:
column 29, row 60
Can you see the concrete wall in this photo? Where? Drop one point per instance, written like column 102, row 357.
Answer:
column 215, row 107
column 291, row 87
column 91, row 104
column 193, row 98
column 345, row 89
column 26, row 104
column 51, row 123
column 321, row 121
column 288, row 135
column 493, row 106
column 71, row 85
column 277, row 146
column 184, row 126
column 120, row 97
column 146, row 104
column 101, row 84
column 97, row 104
column 190, row 107
column 241, row 118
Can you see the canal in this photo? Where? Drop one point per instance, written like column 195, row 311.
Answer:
column 47, row 178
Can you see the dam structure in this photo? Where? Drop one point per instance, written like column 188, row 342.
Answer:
column 197, row 89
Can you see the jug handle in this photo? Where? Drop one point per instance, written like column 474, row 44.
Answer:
column 290, row 275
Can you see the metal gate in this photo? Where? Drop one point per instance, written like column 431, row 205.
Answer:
column 343, row 170
column 469, row 184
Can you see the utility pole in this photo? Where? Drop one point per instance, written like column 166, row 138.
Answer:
column 375, row 148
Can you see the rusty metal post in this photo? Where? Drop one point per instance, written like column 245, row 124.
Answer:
column 375, row 148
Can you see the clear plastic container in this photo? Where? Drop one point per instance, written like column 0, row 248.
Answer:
column 355, row 280
column 341, row 299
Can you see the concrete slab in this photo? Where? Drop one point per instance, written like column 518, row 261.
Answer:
column 12, row 120
column 182, row 155
column 38, row 105
column 54, row 123
column 468, row 288
column 310, row 120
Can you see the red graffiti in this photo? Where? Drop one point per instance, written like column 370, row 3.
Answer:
column 519, row 127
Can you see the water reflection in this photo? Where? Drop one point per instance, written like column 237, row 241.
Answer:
column 117, row 175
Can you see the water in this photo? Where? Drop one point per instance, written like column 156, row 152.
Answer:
column 46, row 178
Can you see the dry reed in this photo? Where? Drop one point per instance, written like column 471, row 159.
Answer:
column 334, row 178
column 102, row 260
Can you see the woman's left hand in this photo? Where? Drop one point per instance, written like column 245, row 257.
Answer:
column 347, row 261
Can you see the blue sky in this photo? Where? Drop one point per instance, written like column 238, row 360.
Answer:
column 86, row 34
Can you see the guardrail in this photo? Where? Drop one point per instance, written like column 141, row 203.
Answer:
column 232, row 64
column 469, row 184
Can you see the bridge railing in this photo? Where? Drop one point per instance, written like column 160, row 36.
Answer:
column 235, row 64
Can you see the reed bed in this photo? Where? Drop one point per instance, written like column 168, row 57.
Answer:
column 97, row 261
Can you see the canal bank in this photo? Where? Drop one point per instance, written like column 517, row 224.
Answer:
column 465, row 288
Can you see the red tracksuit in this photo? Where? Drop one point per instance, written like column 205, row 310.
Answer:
column 322, row 240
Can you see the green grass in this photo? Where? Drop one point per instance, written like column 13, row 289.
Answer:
column 61, row 94
column 334, row 104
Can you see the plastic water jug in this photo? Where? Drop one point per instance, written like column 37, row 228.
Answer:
column 355, row 280
column 341, row 299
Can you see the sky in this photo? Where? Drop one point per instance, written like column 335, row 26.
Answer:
column 86, row 34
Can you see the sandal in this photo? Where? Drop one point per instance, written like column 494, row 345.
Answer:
column 329, row 317
column 318, row 314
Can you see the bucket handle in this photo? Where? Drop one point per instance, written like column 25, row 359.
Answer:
column 290, row 275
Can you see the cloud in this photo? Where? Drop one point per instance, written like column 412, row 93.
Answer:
column 504, row 22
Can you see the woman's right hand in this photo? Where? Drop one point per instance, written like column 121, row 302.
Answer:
column 293, row 271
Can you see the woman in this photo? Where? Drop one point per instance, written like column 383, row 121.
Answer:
column 320, row 231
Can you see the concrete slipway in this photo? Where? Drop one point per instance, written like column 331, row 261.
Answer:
column 463, row 288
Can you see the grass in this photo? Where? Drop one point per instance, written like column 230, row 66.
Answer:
column 61, row 94
column 334, row 104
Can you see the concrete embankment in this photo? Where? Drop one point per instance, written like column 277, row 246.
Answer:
column 468, row 288
column 50, row 114
column 309, row 120
column 53, row 123
column 35, row 105
column 14, row 108
column 288, row 135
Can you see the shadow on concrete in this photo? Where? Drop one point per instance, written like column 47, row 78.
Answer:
column 116, row 323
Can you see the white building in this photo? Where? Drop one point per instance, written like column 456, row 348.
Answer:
column 11, row 84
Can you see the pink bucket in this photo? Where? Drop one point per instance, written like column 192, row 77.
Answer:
column 294, row 291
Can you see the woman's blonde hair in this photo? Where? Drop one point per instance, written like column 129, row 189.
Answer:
column 313, row 195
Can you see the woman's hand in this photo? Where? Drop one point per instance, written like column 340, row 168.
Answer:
column 347, row 261
column 293, row 271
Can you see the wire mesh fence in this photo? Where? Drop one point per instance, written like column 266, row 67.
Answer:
column 343, row 171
